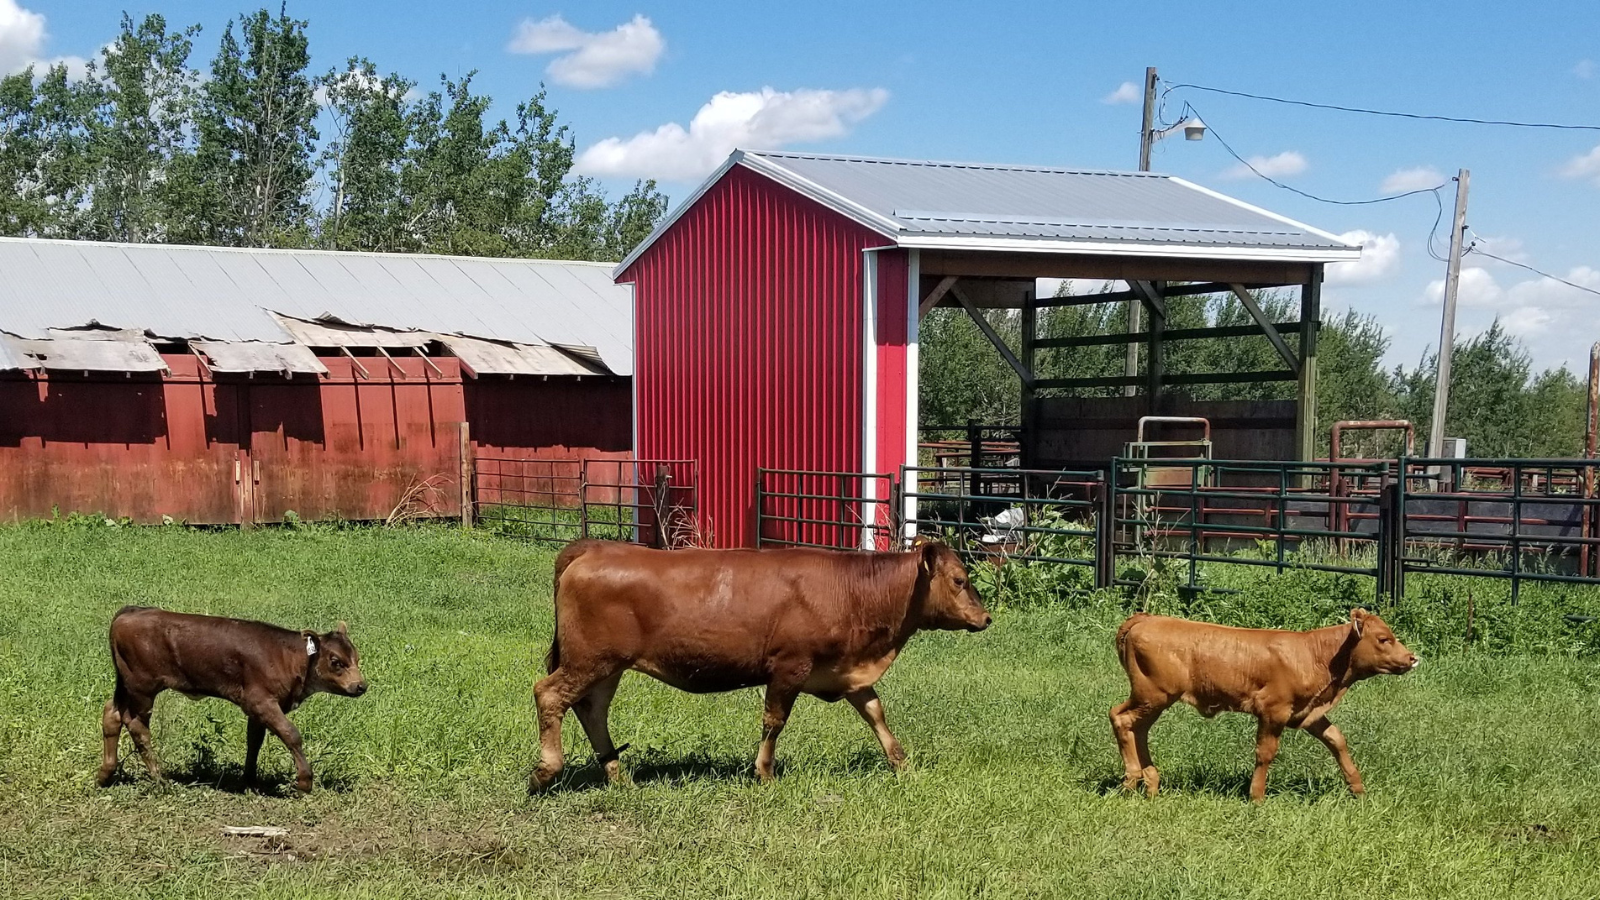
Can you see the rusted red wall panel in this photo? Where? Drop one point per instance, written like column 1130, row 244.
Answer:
column 351, row 447
column 748, row 342
column 338, row 446
column 530, row 433
column 139, row 447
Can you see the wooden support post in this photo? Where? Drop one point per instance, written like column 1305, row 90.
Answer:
column 1305, row 430
column 1267, row 328
column 466, row 475
column 1023, row 372
column 935, row 295
column 1030, row 328
column 1156, row 347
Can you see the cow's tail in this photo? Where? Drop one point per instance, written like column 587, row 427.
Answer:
column 552, row 660
column 1122, row 636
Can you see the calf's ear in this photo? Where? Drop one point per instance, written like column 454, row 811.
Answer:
column 1358, row 617
column 930, row 553
column 313, row 643
column 342, row 629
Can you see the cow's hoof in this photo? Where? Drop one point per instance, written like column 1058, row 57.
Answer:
column 615, row 775
column 303, row 785
column 540, row 781
column 104, row 777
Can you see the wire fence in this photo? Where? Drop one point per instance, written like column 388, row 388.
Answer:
column 651, row 502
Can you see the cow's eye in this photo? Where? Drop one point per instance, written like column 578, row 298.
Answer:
column 1385, row 640
column 338, row 665
column 961, row 582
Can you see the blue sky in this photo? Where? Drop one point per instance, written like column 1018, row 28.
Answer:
column 1030, row 83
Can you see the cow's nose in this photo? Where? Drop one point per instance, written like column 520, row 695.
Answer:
column 359, row 689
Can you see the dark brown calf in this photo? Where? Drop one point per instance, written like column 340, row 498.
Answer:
column 1286, row 679
column 265, row 670
column 821, row 622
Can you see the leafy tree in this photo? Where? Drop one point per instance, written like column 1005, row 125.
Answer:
column 144, row 92
column 248, row 182
column 44, row 154
column 364, row 158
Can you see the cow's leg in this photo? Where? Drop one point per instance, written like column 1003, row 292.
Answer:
column 136, row 718
column 272, row 717
column 254, row 734
column 111, row 734
column 870, row 707
column 1131, row 722
column 1141, row 744
column 592, row 710
column 553, row 695
column 1267, row 735
column 780, row 699
column 1330, row 735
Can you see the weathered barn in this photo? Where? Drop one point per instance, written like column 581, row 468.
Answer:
column 218, row 385
column 777, row 310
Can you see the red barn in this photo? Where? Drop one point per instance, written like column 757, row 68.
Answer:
column 215, row 385
column 777, row 309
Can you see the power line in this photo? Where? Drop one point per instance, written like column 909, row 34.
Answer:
column 1294, row 190
column 1384, row 112
column 1571, row 284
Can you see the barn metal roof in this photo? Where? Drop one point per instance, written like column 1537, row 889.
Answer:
column 966, row 206
column 230, row 295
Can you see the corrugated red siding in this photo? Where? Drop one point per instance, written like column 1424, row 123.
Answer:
column 337, row 446
column 748, row 343
column 892, row 332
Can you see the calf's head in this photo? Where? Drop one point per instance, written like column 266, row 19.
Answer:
column 335, row 664
column 1377, row 651
column 947, row 598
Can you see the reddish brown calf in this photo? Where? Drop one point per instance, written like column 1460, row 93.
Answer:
column 265, row 670
column 1286, row 679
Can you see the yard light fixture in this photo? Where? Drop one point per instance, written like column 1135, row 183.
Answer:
column 1194, row 129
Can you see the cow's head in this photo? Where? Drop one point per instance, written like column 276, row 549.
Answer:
column 948, row 599
column 335, row 664
column 1377, row 650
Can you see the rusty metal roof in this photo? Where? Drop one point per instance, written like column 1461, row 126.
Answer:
column 229, row 295
column 970, row 206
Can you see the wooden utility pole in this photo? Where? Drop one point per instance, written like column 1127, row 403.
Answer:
column 1447, row 327
column 1146, row 139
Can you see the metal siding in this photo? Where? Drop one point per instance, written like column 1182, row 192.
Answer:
column 226, row 294
column 923, row 197
column 749, row 345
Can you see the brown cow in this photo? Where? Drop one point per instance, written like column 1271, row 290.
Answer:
column 265, row 670
column 822, row 622
column 1286, row 679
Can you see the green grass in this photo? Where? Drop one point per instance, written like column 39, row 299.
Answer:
column 1481, row 767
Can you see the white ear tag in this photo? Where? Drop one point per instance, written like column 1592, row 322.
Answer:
column 311, row 646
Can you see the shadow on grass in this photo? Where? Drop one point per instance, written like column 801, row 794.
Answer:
column 228, row 777
column 1235, row 784
column 656, row 767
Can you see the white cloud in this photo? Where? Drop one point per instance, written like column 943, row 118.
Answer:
column 1477, row 288
column 1287, row 163
column 1586, row 165
column 591, row 59
column 1532, row 308
column 1584, row 69
column 1419, row 178
column 22, row 39
column 1380, row 258
column 1126, row 92
column 757, row 120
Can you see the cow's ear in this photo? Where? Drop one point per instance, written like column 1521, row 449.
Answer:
column 1358, row 618
column 313, row 643
column 930, row 552
column 342, row 629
